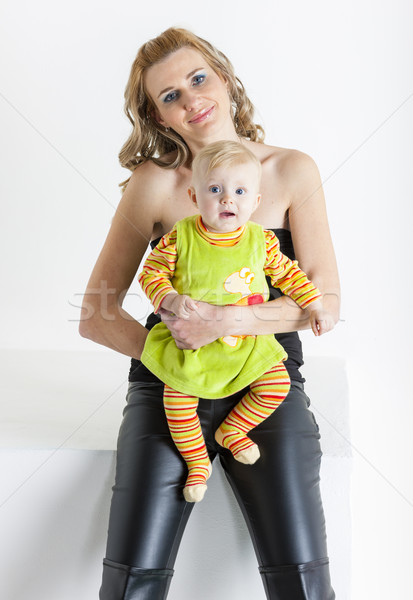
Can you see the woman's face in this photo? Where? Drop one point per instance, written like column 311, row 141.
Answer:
column 190, row 97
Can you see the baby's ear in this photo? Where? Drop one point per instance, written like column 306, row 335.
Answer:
column 192, row 195
column 257, row 201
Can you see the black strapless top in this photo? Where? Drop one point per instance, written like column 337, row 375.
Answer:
column 290, row 341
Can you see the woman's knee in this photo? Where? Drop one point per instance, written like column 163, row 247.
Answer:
column 122, row 582
column 305, row 581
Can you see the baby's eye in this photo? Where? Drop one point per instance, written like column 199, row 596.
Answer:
column 240, row 191
column 197, row 79
column 170, row 97
column 215, row 189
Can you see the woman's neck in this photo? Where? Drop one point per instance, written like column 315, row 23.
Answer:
column 226, row 132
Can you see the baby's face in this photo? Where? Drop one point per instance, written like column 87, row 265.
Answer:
column 227, row 196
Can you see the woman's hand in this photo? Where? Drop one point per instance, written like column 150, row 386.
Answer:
column 203, row 326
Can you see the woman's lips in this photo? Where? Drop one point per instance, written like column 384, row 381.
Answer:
column 202, row 116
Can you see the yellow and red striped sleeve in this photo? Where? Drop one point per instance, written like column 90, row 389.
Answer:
column 286, row 275
column 158, row 270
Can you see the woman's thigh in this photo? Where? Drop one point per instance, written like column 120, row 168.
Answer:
column 148, row 512
column 280, row 495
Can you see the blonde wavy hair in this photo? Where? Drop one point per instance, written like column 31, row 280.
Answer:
column 148, row 139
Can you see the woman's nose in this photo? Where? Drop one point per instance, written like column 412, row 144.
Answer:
column 190, row 101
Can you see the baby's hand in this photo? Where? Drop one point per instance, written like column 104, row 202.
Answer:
column 321, row 321
column 179, row 304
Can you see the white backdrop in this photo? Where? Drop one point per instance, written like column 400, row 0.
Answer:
column 330, row 78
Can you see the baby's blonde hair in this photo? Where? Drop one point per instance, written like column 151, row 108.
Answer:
column 224, row 153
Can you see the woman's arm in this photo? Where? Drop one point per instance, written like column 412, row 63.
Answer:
column 210, row 322
column 311, row 233
column 103, row 319
column 313, row 249
column 315, row 254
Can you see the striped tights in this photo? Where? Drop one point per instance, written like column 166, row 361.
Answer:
column 264, row 396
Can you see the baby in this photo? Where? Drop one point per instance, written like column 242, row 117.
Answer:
column 221, row 257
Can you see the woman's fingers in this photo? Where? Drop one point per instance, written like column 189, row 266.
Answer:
column 200, row 328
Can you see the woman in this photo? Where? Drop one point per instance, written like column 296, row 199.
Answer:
column 182, row 94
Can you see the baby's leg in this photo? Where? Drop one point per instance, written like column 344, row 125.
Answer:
column 265, row 395
column 185, row 429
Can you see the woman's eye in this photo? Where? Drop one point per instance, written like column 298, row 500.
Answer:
column 170, row 97
column 197, row 79
column 240, row 191
column 214, row 189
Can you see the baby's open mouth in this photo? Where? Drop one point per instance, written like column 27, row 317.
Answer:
column 227, row 214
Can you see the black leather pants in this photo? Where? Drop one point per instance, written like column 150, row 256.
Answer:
column 279, row 497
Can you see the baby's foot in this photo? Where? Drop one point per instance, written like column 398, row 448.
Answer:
column 195, row 493
column 242, row 447
column 248, row 456
column 195, row 486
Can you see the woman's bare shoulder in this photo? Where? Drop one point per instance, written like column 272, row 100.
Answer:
column 150, row 175
column 147, row 186
column 155, row 194
column 293, row 172
column 284, row 160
